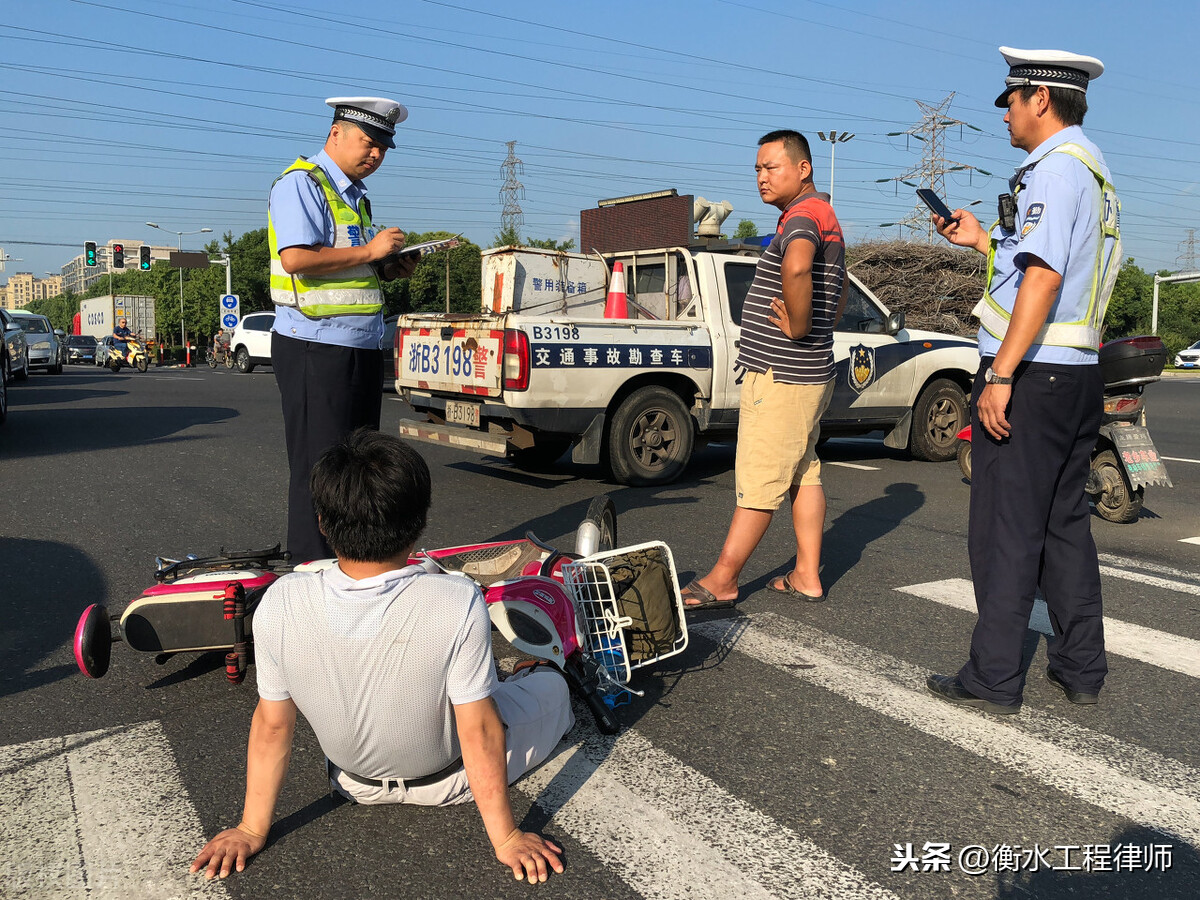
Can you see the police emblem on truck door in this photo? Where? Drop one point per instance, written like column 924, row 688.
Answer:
column 861, row 370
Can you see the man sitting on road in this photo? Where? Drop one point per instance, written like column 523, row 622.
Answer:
column 392, row 666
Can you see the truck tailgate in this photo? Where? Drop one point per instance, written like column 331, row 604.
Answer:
column 462, row 355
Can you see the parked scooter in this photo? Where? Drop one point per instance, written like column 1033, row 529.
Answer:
column 135, row 356
column 1125, row 460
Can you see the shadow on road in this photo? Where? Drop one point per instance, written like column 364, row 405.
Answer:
column 47, row 586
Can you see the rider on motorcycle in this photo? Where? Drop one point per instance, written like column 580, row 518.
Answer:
column 121, row 334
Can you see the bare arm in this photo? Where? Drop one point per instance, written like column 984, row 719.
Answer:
column 793, row 314
column 321, row 260
column 481, row 736
column 1037, row 293
column 267, row 758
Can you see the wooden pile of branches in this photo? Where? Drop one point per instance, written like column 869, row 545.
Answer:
column 935, row 285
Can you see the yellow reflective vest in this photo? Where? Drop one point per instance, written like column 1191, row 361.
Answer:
column 353, row 291
column 1082, row 333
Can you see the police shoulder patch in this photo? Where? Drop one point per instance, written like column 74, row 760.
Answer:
column 1033, row 216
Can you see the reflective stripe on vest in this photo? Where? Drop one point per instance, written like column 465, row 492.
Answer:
column 353, row 291
column 1083, row 333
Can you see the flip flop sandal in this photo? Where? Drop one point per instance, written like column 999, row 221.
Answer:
column 788, row 590
column 696, row 591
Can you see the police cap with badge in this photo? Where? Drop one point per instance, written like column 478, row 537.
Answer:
column 1053, row 68
column 376, row 116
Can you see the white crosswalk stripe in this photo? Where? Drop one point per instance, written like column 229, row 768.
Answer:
column 1168, row 651
column 101, row 815
column 1124, row 779
column 674, row 834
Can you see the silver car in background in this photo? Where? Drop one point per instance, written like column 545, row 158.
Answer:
column 44, row 352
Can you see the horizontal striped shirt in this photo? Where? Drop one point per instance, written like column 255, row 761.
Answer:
column 807, row 360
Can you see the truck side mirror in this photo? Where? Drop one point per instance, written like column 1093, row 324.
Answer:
column 895, row 322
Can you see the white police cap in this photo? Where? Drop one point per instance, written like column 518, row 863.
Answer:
column 377, row 116
column 1053, row 68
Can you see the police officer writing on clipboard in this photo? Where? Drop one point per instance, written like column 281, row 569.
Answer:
column 1053, row 257
column 326, row 261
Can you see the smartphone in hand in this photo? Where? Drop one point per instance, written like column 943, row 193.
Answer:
column 935, row 203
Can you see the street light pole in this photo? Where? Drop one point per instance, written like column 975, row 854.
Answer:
column 179, row 235
column 834, row 139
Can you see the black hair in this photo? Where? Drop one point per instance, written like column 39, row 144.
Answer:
column 793, row 142
column 1070, row 106
column 372, row 493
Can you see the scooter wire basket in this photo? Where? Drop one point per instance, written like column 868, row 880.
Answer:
column 629, row 609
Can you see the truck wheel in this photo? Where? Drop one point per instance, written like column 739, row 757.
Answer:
column 938, row 416
column 650, row 439
column 243, row 361
column 1118, row 502
column 964, row 459
column 542, row 455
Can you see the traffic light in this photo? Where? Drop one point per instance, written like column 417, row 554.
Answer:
column 89, row 253
column 118, row 256
column 145, row 258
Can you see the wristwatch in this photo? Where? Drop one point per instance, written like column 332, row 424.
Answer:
column 990, row 377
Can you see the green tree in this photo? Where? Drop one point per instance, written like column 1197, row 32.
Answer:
column 507, row 237
column 746, row 229
column 550, row 244
column 425, row 289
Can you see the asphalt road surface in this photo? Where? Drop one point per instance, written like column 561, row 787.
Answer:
column 790, row 752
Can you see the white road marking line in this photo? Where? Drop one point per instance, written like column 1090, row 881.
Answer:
column 1195, row 540
column 1179, row 459
column 98, row 816
column 846, row 465
column 1167, row 651
column 1176, row 580
column 1129, row 781
column 670, row 832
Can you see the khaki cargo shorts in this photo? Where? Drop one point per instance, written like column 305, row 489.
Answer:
column 778, row 428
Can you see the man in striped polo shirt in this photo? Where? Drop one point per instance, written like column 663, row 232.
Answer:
column 787, row 352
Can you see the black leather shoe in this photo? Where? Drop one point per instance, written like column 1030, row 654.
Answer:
column 1080, row 698
column 950, row 689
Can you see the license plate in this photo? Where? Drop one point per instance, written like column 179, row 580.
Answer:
column 458, row 413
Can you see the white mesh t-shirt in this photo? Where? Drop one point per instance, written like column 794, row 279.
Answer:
column 375, row 664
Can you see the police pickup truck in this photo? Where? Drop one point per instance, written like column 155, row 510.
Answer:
column 542, row 369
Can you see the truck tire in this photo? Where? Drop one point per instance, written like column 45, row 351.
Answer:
column 939, row 414
column 1118, row 502
column 243, row 361
column 650, row 438
column 542, row 455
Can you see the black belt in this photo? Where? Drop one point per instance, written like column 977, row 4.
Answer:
column 391, row 783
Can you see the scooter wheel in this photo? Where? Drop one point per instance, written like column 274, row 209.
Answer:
column 93, row 641
column 1119, row 501
column 964, row 459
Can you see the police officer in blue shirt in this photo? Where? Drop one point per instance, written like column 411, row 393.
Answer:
column 1053, row 257
column 327, row 259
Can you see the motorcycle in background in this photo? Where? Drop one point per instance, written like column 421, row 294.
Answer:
column 134, row 357
column 1124, row 461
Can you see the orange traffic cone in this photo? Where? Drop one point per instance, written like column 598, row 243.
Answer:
column 615, row 306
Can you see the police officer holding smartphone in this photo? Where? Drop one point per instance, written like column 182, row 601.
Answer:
column 325, row 258
column 1053, row 257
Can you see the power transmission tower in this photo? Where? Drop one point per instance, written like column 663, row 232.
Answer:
column 1187, row 259
column 511, row 217
column 931, row 173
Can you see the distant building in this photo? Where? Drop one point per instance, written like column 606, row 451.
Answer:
column 22, row 289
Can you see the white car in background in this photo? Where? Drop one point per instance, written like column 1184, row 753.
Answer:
column 251, row 341
column 44, row 351
column 1189, row 358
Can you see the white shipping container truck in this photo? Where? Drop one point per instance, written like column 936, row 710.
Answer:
column 98, row 315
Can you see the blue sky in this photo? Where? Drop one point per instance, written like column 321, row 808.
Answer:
column 119, row 112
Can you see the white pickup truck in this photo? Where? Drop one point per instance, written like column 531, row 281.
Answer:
column 542, row 369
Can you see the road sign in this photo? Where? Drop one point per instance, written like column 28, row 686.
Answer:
column 231, row 311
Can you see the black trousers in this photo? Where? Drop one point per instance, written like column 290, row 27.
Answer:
column 1030, row 528
column 326, row 393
